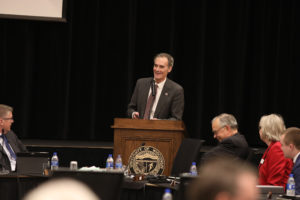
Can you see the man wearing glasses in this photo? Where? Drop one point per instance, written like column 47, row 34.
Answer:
column 231, row 142
column 157, row 97
column 10, row 144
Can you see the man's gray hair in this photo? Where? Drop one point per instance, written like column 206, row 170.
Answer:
column 226, row 120
column 4, row 109
column 168, row 56
column 218, row 176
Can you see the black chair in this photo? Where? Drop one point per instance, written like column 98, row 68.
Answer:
column 188, row 152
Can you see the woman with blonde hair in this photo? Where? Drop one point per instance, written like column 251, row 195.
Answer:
column 274, row 168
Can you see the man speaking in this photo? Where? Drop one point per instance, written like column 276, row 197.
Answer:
column 157, row 97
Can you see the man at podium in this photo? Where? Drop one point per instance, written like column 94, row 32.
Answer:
column 157, row 97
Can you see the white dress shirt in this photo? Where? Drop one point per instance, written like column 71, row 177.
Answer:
column 160, row 86
column 11, row 159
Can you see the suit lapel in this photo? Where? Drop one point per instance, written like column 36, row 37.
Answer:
column 297, row 162
column 144, row 96
column 11, row 143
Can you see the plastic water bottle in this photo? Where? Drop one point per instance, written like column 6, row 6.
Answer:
column 193, row 169
column 54, row 161
column 110, row 162
column 167, row 195
column 119, row 164
column 290, row 186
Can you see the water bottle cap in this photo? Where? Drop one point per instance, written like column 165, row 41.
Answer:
column 167, row 190
column 193, row 163
column 119, row 155
column 54, row 153
column 291, row 175
column 109, row 155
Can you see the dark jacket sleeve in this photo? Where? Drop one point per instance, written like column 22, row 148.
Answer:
column 15, row 142
column 296, row 173
column 177, row 106
column 235, row 146
column 132, row 106
column 17, row 147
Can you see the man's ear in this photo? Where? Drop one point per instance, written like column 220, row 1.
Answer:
column 227, row 127
column 170, row 69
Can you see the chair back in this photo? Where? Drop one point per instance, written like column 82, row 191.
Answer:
column 188, row 152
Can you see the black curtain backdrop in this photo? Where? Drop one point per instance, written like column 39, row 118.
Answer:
column 68, row 81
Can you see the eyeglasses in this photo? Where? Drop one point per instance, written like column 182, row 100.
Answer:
column 216, row 131
column 6, row 118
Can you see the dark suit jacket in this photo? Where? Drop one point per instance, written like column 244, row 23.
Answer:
column 235, row 146
column 170, row 104
column 296, row 173
column 16, row 145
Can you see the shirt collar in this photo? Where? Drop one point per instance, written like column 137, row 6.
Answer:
column 161, row 84
column 295, row 158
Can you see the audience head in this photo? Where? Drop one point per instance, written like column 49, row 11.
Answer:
column 225, row 179
column 6, row 117
column 224, row 126
column 62, row 189
column 290, row 142
column 271, row 128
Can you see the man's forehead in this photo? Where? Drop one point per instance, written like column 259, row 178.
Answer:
column 216, row 122
column 162, row 59
column 8, row 114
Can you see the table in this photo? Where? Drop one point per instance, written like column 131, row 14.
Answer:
column 14, row 186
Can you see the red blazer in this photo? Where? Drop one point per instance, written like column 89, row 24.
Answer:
column 274, row 168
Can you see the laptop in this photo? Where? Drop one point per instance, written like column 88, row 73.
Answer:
column 270, row 191
column 32, row 163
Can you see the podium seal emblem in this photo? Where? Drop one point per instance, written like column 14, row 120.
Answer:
column 146, row 160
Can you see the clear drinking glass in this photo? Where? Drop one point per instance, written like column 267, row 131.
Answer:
column 73, row 165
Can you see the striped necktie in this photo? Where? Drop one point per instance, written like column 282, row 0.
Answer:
column 149, row 104
column 11, row 152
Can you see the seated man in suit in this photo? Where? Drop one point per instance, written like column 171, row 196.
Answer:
column 157, row 97
column 10, row 145
column 224, row 179
column 231, row 142
column 290, row 145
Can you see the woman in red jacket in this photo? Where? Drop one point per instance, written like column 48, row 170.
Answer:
column 274, row 168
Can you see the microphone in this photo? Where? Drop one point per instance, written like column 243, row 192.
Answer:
column 153, row 88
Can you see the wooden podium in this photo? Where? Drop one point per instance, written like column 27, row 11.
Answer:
column 164, row 135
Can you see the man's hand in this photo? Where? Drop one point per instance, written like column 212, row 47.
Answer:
column 135, row 115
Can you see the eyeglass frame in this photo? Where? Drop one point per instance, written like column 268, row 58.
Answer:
column 7, row 118
column 216, row 131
